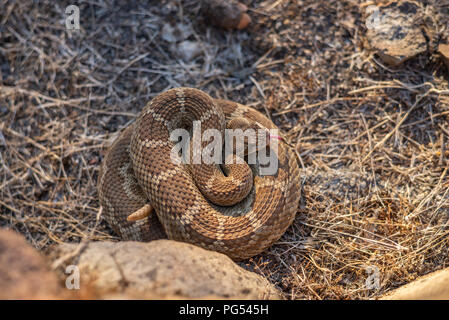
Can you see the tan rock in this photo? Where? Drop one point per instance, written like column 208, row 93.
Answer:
column 164, row 268
column 23, row 271
column 393, row 33
column 434, row 286
column 228, row 14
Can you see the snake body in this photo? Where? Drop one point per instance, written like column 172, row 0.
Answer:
column 138, row 170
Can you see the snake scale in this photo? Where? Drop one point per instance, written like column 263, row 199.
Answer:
column 137, row 172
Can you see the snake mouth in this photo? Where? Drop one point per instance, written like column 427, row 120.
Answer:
column 276, row 137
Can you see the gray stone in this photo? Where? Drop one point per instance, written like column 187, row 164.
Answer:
column 176, row 33
column 393, row 33
column 188, row 50
column 164, row 268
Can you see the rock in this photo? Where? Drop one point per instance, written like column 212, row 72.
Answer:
column 23, row 271
column 393, row 33
column 164, row 268
column 433, row 286
column 187, row 50
column 228, row 14
column 176, row 33
column 443, row 49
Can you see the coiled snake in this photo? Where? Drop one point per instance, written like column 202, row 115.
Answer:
column 248, row 211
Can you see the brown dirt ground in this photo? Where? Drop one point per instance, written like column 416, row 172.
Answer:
column 64, row 95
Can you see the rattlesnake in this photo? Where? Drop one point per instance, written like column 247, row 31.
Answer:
column 138, row 171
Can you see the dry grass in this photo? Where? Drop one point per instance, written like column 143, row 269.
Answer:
column 64, row 96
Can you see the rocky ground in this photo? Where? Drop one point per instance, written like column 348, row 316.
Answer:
column 359, row 87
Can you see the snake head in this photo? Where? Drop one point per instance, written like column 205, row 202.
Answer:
column 255, row 135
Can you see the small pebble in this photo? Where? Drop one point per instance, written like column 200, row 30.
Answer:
column 188, row 50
